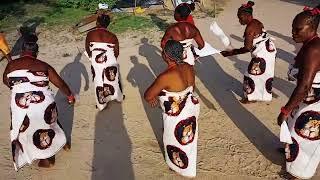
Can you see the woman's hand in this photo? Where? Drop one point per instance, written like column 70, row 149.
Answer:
column 226, row 53
column 71, row 99
column 154, row 102
column 282, row 117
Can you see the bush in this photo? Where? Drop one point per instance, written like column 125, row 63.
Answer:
column 86, row 4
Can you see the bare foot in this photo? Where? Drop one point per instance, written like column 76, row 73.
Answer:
column 47, row 163
column 246, row 101
column 67, row 146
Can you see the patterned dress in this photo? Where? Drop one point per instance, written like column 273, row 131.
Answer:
column 257, row 83
column 180, row 118
column 35, row 131
column 105, row 74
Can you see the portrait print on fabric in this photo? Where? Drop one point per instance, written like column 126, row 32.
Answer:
column 177, row 156
column 308, row 125
column 185, row 130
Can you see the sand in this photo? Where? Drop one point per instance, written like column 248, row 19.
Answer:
column 124, row 142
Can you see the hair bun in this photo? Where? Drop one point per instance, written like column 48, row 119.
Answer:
column 250, row 3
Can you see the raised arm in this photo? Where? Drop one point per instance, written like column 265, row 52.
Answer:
column 249, row 34
column 58, row 81
column 153, row 91
column 198, row 38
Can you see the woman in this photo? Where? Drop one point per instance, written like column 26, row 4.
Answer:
column 35, row 131
column 102, row 48
column 257, row 84
column 302, row 110
column 184, row 10
column 174, row 89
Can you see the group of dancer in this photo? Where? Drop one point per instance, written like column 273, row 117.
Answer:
column 36, row 133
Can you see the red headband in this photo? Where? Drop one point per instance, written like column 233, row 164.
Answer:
column 313, row 11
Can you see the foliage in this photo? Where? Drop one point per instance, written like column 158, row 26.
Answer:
column 87, row 4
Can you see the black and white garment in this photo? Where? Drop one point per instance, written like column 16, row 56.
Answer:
column 105, row 74
column 257, row 83
column 35, row 132
column 180, row 118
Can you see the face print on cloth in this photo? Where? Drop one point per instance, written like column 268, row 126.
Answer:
column 291, row 151
column 111, row 73
column 103, row 92
column 308, row 125
column 185, row 130
column 257, row 66
column 43, row 138
column 177, row 156
column 51, row 114
column 23, row 100
column 248, row 85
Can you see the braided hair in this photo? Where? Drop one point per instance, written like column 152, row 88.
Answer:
column 247, row 8
column 104, row 20
column 174, row 50
column 183, row 10
column 311, row 16
column 30, row 44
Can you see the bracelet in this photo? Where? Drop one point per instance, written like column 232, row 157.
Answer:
column 70, row 98
column 285, row 111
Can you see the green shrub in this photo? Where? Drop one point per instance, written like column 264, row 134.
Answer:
column 87, row 4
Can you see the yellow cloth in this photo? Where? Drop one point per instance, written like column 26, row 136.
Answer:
column 4, row 45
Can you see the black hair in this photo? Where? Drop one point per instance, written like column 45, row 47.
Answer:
column 104, row 20
column 247, row 8
column 30, row 44
column 192, row 6
column 174, row 50
column 183, row 10
column 311, row 16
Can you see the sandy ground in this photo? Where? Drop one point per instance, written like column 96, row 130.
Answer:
column 124, row 142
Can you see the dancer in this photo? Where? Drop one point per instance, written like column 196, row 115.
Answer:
column 102, row 48
column 257, row 83
column 302, row 110
column 35, row 131
column 184, row 32
column 174, row 89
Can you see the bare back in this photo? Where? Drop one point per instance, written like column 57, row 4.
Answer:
column 102, row 35
column 179, row 78
column 181, row 31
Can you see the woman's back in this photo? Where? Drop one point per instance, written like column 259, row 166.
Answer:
column 179, row 77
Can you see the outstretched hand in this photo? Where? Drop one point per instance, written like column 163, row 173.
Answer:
column 226, row 53
column 281, row 118
column 154, row 102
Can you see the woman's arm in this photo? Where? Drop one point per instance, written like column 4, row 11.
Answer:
column 248, row 42
column 58, row 81
column 153, row 91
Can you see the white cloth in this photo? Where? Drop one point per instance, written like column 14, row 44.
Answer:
column 215, row 28
column 35, row 132
column 303, row 156
column 180, row 118
column 285, row 135
column 207, row 50
column 188, row 54
column 259, row 76
column 178, row 2
column 105, row 73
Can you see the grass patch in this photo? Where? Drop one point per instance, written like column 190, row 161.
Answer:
column 49, row 15
column 122, row 22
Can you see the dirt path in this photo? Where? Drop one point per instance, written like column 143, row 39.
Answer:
column 124, row 142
